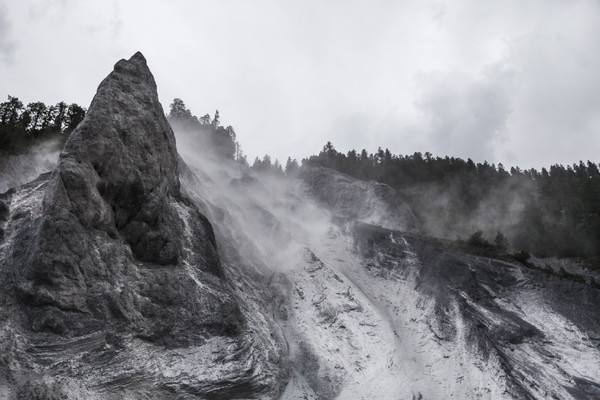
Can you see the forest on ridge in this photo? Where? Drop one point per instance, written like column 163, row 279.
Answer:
column 554, row 212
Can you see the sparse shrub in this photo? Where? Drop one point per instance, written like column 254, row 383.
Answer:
column 570, row 276
column 477, row 240
column 522, row 257
column 592, row 263
column 501, row 242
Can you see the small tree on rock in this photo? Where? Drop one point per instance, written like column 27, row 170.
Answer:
column 501, row 242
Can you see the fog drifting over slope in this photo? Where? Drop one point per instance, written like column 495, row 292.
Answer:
column 18, row 169
column 379, row 318
column 269, row 211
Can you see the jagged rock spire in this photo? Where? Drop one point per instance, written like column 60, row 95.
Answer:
column 114, row 205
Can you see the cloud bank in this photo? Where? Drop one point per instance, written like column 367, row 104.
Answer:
column 512, row 82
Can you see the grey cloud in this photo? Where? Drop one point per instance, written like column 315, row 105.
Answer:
column 39, row 10
column 438, row 11
column 116, row 21
column 514, row 81
column 111, row 23
column 462, row 116
column 386, row 129
column 557, row 101
column 7, row 45
column 537, row 106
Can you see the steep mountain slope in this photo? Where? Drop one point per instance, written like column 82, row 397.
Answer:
column 129, row 272
column 369, row 312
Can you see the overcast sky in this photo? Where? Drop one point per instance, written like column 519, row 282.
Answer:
column 511, row 81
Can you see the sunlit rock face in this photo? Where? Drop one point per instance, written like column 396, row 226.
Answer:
column 131, row 273
column 111, row 279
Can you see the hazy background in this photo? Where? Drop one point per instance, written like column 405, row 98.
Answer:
column 513, row 81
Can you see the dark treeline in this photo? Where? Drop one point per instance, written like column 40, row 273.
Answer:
column 23, row 126
column 221, row 140
column 275, row 168
column 553, row 212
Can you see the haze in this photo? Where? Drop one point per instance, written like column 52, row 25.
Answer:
column 513, row 82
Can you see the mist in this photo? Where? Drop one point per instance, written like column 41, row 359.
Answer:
column 544, row 215
column 500, row 210
column 348, row 281
column 18, row 169
column 268, row 218
column 295, row 234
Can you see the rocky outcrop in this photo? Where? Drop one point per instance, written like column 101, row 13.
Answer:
column 539, row 332
column 109, row 262
column 370, row 202
column 114, row 202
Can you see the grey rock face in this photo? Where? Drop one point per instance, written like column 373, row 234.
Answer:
column 119, row 169
column 110, row 264
column 116, row 187
column 371, row 202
